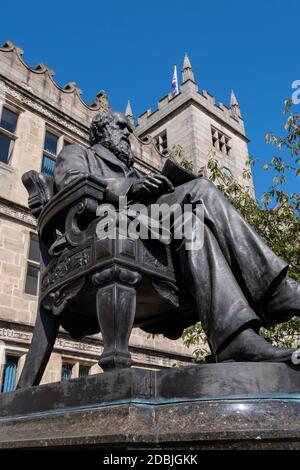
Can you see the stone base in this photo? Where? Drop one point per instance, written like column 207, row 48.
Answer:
column 213, row 406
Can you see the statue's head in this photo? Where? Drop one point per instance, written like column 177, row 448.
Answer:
column 112, row 130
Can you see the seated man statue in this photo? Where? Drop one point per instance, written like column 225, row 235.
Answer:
column 237, row 282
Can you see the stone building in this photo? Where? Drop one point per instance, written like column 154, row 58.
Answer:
column 37, row 119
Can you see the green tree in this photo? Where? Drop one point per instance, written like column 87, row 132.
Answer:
column 178, row 152
column 275, row 217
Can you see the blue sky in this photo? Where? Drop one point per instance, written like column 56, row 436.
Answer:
column 128, row 48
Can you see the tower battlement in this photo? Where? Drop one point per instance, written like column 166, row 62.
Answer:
column 202, row 98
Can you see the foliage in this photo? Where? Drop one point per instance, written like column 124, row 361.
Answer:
column 195, row 336
column 177, row 152
column 281, row 167
column 275, row 218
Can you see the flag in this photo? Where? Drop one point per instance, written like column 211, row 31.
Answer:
column 175, row 82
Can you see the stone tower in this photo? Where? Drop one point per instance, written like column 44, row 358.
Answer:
column 202, row 127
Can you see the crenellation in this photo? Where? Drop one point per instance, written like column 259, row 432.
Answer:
column 143, row 117
column 148, row 122
column 210, row 98
column 219, row 108
column 163, row 102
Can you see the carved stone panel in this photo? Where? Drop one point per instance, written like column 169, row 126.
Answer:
column 68, row 264
column 157, row 257
column 128, row 248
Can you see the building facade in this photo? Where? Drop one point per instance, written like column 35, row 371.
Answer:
column 37, row 119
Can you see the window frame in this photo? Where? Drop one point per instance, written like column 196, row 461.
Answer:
column 84, row 365
column 10, row 135
column 66, row 362
column 10, row 354
column 46, row 153
column 34, row 264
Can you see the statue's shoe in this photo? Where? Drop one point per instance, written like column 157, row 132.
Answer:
column 248, row 346
column 284, row 303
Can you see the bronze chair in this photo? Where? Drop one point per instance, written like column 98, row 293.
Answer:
column 88, row 285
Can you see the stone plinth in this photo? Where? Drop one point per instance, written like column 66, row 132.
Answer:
column 215, row 406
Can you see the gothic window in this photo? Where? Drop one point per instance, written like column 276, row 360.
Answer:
column 221, row 141
column 8, row 124
column 49, row 153
column 33, row 266
column 9, row 374
column 161, row 142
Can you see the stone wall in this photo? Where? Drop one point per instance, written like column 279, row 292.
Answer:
column 14, row 245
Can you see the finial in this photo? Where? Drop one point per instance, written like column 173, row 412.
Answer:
column 233, row 99
column 234, row 105
column 187, row 70
column 129, row 113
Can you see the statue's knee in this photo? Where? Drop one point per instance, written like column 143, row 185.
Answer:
column 203, row 184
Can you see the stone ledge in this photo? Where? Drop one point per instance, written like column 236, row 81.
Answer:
column 207, row 381
column 212, row 406
column 222, row 424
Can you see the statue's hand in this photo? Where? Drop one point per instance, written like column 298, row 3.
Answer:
column 152, row 185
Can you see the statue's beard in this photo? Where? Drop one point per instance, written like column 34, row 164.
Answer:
column 121, row 149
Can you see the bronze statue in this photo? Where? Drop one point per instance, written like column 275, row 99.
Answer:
column 234, row 284
column 237, row 281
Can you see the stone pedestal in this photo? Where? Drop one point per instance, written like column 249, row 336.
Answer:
column 214, row 406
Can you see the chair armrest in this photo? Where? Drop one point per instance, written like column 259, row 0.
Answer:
column 40, row 190
column 85, row 194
